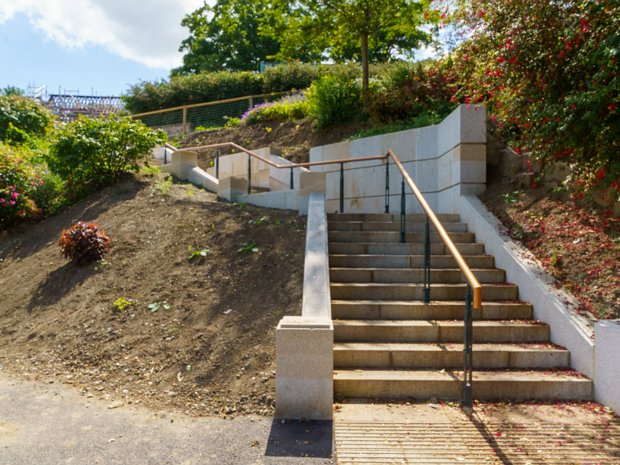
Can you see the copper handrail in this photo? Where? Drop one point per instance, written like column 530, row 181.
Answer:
column 276, row 165
column 460, row 261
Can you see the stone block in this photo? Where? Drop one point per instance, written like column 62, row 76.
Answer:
column 183, row 162
column 311, row 181
column 607, row 364
column 231, row 188
column 304, row 368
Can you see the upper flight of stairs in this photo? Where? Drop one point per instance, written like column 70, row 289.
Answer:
column 388, row 344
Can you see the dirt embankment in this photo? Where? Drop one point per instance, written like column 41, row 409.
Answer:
column 206, row 343
column 291, row 140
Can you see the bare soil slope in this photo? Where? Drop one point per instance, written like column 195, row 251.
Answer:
column 210, row 352
column 578, row 246
column 291, row 140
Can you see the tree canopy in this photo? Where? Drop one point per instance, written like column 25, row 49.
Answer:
column 226, row 37
column 360, row 30
column 238, row 34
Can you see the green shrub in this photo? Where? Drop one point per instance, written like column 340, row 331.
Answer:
column 84, row 242
column 290, row 76
column 333, row 100
column 96, row 152
column 21, row 117
column 409, row 91
column 190, row 89
column 49, row 194
column 18, row 183
column 208, row 87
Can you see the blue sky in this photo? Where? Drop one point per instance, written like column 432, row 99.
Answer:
column 100, row 46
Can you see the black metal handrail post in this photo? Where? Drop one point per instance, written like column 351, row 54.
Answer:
column 341, row 187
column 467, row 395
column 427, row 262
column 387, row 185
column 249, row 174
column 217, row 162
column 291, row 181
column 402, row 211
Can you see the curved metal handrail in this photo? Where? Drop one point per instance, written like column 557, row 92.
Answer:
column 460, row 261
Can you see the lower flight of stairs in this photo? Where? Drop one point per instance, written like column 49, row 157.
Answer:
column 390, row 345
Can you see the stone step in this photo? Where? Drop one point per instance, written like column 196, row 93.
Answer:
column 387, row 248
column 406, row 261
column 390, row 226
column 390, row 310
column 499, row 331
column 412, row 275
column 387, row 236
column 410, row 217
column 384, row 291
column 447, row 384
column 448, row 355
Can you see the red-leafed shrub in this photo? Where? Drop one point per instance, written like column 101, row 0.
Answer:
column 84, row 242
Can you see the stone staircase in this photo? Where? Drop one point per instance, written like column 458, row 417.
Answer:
column 388, row 344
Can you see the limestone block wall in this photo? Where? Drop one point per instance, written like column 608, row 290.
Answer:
column 444, row 160
column 607, row 364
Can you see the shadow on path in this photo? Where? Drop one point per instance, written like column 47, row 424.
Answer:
column 291, row 438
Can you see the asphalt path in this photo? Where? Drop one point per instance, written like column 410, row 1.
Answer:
column 52, row 424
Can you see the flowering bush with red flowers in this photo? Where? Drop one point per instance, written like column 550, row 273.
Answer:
column 548, row 73
column 84, row 242
column 18, row 184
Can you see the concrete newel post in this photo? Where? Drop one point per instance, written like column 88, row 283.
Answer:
column 304, row 344
column 607, row 363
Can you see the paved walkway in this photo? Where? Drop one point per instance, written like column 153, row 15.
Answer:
column 429, row 434
column 49, row 424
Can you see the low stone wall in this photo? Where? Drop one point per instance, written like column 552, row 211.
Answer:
column 304, row 344
column 444, row 160
column 567, row 328
column 607, row 364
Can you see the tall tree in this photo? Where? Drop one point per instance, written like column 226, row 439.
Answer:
column 226, row 36
column 352, row 29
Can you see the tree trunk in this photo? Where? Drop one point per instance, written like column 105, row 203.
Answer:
column 364, row 63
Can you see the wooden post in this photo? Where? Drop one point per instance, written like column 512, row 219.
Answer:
column 184, row 120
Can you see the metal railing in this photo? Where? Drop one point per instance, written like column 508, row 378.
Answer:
column 473, row 297
column 208, row 114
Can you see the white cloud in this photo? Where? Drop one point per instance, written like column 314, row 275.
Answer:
column 148, row 32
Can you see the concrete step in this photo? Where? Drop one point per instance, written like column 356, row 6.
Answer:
column 411, row 275
column 393, row 310
column 499, row 331
column 387, row 236
column 386, row 248
column 390, row 226
column 448, row 355
column 407, row 261
column 410, row 217
column 446, row 385
column 384, row 291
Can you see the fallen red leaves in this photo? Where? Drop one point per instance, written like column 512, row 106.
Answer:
column 579, row 247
